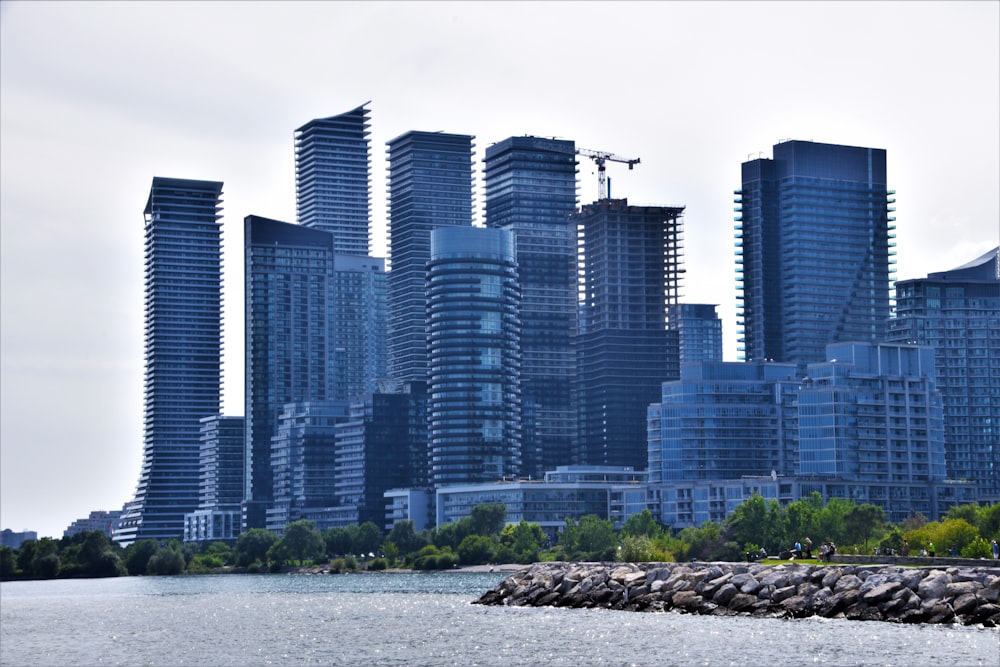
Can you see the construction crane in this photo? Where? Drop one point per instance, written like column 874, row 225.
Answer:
column 599, row 158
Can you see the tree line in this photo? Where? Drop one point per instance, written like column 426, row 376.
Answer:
column 486, row 537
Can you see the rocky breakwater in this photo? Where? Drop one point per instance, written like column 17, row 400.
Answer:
column 965, row 595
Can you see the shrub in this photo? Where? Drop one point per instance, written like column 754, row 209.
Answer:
column 378, row 564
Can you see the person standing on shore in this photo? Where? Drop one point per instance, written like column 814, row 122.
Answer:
column 930, row 549
column 996, row 549
column 906, row 548
column 809, row 548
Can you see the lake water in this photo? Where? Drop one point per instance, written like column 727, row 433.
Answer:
column 420, row 619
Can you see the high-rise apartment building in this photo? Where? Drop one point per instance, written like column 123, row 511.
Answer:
column 360, row 317
column 333, row 179
column 289, row 339
column 430, row 186
column 473, row 333
column 813, row 250
column 381, row 446
column 530, row 185
column 725, row 420
column 957, row 313
column 630, row 261
column 223, row 453
column 183, row 352
column 699, row 331
column 303, row 455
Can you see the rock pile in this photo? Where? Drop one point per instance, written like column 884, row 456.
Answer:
column 966, row 595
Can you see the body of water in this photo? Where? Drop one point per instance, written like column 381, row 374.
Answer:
column 420, row 619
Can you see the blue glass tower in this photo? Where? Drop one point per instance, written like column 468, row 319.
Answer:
column 531, row 191
column 289, row 339
column 430, row 186
column 333, row 179
column 183, row 352
column 474, row 396
column 699, row 331
column 957, row 313
column 813, row 250
column 360, row 316
column 630, row 259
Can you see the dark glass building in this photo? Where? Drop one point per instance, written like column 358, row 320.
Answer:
column 531, row 191
column 333, row 179
column 381, row 446
column 630, row 266
column 223, row 454
column 699, row 331
column 430, row 185
column 813, row 250
column 474, row 394
column 183, row 352
column 957, row 313
column 289, row 339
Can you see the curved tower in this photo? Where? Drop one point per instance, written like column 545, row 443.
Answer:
column 474, row 359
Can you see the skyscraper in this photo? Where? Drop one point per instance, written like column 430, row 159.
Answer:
column 289, row 339
column 531, row 191
column 630, row 262
column 699, row 331
column 360, row 350
column 813, row 250
column 957, row 313
column 474, row 396
column 430, row 186
column 333, row 179
column 183, row 352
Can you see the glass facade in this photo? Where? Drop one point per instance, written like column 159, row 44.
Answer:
column 957, row 313
column 303, row 461
column 360, row 312
column 629, row 262
column 381, row 446
column 474, row 402
column 724, row 420
column 699, row 331
column 289, row 339
column 430, row 186
column 531, row 191
column 813, row 250
column 183, row 352
column 333, row 179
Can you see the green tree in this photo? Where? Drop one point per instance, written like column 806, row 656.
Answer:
column 404, row 536
column 488, row 520
column 524, row 540
column 451, row 534
column 989, row 522
column 590, row 538
column 476, row 550
column 862, row 522
column 97, row 557
column 137, row 555
column 8, row 563
column 368, row 538
column 45, row 563
column 166, row 561
column 303, row 541
column 643, row 523
column 339, row 541
column 252, row 546
column 755, row 521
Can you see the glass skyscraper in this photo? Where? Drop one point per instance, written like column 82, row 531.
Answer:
column 957, row 313
column 289, row 338
column 531, row 191
column 813, row 250
column 474, row 396
column 360, row 305
column 630, row 267
column 333, row 179
column 183, row 352
column 430, row 186
column 699, row 331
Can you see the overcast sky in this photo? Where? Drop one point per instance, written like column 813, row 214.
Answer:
column 98, row 98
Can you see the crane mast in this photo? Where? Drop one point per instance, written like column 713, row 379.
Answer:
column 600, row 158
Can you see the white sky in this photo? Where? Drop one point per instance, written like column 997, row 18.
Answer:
column 98, row 98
